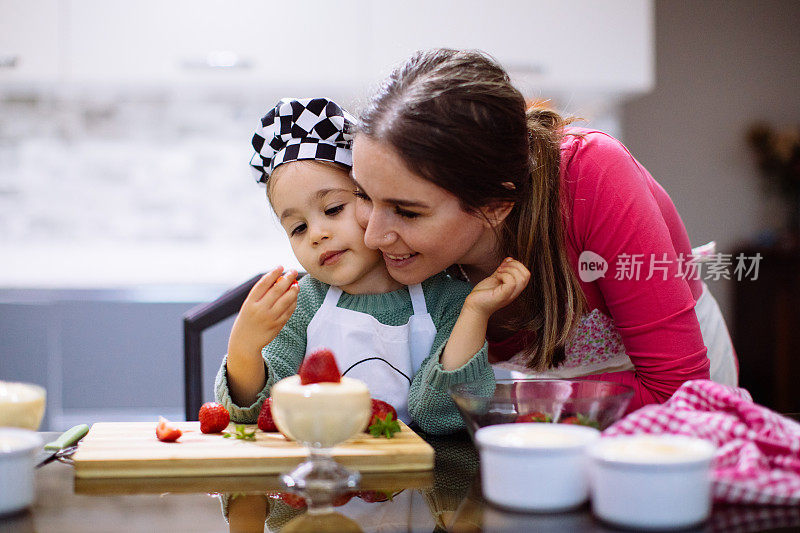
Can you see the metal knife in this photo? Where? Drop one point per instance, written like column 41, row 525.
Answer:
column 65, row 444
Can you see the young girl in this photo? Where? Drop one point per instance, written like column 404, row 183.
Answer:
column 409, row 344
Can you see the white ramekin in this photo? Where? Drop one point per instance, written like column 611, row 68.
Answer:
column 21, row 405
column 18, row 451
column 651, row 481
column 535, row 466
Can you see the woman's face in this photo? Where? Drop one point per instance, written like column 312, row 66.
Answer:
column 419, row 227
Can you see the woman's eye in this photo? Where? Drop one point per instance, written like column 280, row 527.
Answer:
column 335, row 210
column 297, row 230
column 361, row 195
column 405, row 214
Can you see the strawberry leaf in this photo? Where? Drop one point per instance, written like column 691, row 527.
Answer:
column 385, row 427
column 584, row 420
column 241, row 433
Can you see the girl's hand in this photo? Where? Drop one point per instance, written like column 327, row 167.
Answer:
column 499, row 289
column 267, row 308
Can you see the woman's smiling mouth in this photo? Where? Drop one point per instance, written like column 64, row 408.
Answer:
column 398, row 260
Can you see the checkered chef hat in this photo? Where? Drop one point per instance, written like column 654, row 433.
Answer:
column 307, row 128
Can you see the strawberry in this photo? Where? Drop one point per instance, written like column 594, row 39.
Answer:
column 319, row 366
column 282, row 276
column 265, row 420
column 342, row 498
column 213, row 417
column 292, row 500
column 383, row 421
column 374, row 496
column 380, row 409
column 166, row 432
column 536, row 416
column 581, row 420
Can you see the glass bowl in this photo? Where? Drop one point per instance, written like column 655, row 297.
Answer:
column 587, row 402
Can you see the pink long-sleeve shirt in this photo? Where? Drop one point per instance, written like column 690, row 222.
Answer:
column 614, row 208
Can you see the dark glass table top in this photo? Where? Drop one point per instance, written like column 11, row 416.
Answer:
column 445, row 499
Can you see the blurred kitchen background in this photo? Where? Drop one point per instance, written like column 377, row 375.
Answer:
column 126, row 198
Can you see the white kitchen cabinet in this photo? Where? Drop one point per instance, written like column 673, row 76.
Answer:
column 553, row 46
column 30, row 47
column 283, row 44
column 550, row 47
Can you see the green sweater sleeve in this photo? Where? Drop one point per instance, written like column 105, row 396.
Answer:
column 282, row 356
column 428, row 402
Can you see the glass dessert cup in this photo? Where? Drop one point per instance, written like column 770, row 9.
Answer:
column 585, row 402
column 320, row 416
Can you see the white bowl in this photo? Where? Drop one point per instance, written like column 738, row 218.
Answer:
column 651, row 481
column 21, row 405
column 535, row 466
column 18, row 451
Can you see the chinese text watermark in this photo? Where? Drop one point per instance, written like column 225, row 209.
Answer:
column 710, row 267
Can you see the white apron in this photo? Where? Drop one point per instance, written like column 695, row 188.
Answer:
column 717, row 339
column 384, row 357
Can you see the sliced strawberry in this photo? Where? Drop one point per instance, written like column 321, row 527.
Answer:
column 265, row 420
column 318, row 367
column 533, row 417
column 213, row 417
column 166, row 432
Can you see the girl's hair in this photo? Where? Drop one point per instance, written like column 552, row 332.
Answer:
column 456, row 120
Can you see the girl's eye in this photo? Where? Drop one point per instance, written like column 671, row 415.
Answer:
column 297, row 230
column 405, row 214
column 361, row 195
column 335, row 210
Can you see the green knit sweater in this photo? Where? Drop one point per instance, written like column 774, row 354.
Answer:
column 429, row 405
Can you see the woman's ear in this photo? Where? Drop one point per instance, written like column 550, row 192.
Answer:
column 495, row 213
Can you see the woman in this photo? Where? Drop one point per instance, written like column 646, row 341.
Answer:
column 454, row 173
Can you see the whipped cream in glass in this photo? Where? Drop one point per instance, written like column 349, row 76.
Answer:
column 320, row 416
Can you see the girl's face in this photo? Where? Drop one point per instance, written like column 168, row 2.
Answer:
column 316, row 208
column 419, row 227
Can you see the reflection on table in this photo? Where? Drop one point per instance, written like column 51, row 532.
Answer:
column 446, row 499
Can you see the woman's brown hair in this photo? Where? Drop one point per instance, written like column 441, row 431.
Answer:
column 457, row 121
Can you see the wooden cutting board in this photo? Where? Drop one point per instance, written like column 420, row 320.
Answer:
column 130, row 449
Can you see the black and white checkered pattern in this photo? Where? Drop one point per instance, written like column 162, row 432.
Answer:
column 307, row 128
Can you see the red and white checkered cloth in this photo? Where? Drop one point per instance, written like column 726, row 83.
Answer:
column 758, row 450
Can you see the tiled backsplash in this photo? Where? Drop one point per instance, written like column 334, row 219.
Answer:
column 127, row 169
column 134, row 168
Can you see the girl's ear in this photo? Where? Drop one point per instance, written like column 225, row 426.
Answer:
column 495, row 213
